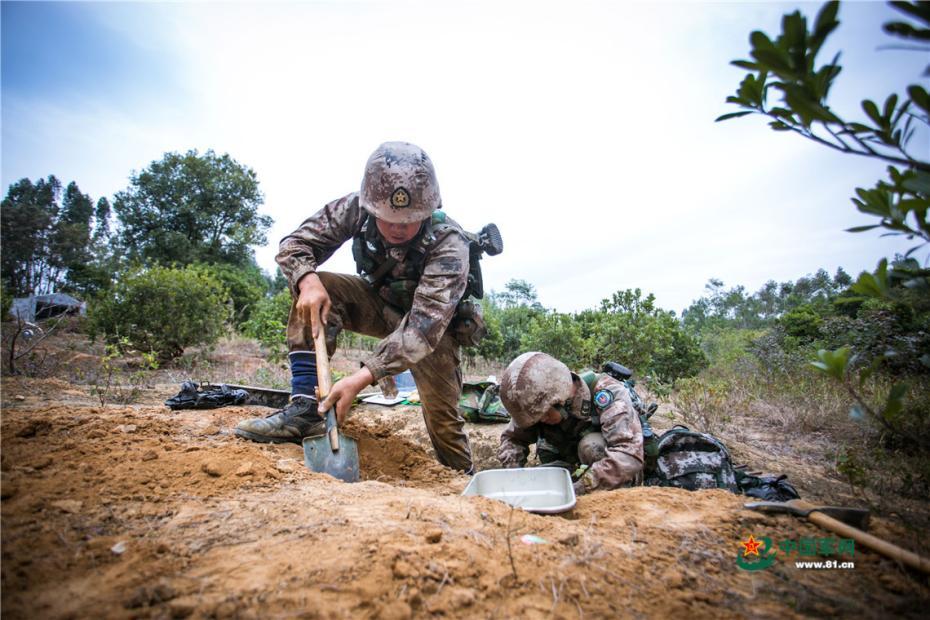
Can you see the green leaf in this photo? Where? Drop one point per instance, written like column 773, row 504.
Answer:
column 731, row 115
column 890, row 104
column 760, row 40
column 781, row 113
column 907, row 31
column 917, row 10
column 856, row 229
column 826, row 17
column 873, row 285
column 745, row 64
column 917, row 182
column 833, row 363
column 874, row 201
column 858, row 128
column 779, row 126
column 795, row 28
column 774, row 60
column 919, row 96
column 872, row 110
column 895, row 402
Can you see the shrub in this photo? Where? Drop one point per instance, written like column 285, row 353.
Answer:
column 801, row 323
column 703, row 404
column 161, row 310
column 246, row 286
column 632, row 330
column 560, row 336
column 268, row 323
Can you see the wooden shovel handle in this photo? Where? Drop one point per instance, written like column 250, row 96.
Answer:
column 325, row 380
column 887, row 549
column 323, row 373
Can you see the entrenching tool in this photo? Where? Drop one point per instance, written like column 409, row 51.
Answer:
column 331, row 453
column 832, row 519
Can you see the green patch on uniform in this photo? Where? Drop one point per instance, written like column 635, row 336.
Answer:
column 481, row 403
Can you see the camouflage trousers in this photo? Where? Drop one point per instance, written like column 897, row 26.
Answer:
column 358, row 308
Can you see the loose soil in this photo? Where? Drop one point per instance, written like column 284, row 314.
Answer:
column 136, row 511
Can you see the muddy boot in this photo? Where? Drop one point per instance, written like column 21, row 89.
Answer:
column 291, row 424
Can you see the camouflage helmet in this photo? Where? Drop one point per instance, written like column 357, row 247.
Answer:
column 532, row 384
column 400, row 185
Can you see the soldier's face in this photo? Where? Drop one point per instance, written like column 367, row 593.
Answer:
column 397, row 234
column 553, row 417
column 558, row 412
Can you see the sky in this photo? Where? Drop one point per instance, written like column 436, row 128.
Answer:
column 584, row 130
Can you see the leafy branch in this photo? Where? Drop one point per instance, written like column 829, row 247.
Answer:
column 786, row 69
column 788, row 65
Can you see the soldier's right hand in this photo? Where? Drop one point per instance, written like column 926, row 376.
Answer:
column 313, row 302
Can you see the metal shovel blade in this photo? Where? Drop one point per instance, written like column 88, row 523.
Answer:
column 337, row 458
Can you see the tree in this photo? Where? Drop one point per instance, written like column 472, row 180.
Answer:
column 29, row 212
column 192, row 208
column 508, row 316
column 46, row 245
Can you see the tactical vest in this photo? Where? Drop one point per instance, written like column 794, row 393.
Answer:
column 376, row 263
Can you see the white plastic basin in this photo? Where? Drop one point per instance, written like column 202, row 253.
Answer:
column 545, row 490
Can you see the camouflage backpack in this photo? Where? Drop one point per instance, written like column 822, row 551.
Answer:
column 690, row 460
column 481, row 402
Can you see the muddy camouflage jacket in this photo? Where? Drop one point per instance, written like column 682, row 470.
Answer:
column 432, row 270
column 605, row 406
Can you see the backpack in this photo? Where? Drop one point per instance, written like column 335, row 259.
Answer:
column 767, row 487
column 191, row 398
column 690, row 460
column 481, row 402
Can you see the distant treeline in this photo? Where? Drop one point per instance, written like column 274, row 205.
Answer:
column 184, row 233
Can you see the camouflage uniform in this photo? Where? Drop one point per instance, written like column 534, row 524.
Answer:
column 411, row 309
column 611, row 413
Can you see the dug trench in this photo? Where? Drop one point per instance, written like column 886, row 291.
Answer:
column 137, row 511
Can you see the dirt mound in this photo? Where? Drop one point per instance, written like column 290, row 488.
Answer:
column 142, row 512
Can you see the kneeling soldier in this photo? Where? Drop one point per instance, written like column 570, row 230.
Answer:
column 586, row 422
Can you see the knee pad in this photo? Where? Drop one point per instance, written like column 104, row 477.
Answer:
column 592, row 448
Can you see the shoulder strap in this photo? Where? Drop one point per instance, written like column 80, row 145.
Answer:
column 589, row 377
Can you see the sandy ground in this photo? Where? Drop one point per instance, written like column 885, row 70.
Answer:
column 139, row 512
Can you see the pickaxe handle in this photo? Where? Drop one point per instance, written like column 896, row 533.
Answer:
column 812, row 513
column 887, row 549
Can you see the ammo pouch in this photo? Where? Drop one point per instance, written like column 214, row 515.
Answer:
column 468, row 327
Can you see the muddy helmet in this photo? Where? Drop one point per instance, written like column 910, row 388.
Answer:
column 532, row 384
column 400, row 185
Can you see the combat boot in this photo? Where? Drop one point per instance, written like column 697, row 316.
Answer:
column 291, row 424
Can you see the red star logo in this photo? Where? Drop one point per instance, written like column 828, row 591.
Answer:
column 751, row 546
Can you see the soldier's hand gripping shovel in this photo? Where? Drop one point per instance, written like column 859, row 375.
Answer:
column 837, row 520
column 333, row 453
